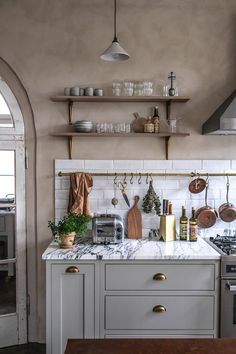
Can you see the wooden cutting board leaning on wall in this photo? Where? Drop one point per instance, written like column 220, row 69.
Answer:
column 134, row 221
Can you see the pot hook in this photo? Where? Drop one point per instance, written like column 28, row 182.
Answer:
column 227, row 189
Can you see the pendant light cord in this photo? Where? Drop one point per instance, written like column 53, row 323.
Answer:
column 115, row 38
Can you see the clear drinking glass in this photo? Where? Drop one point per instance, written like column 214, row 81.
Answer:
column 147, row 88
column 138, row 88
column 117, row 88
column 128, row 88
column 173, row 125
column 127, row 128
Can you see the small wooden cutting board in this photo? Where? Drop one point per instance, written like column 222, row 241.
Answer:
column 134, row 221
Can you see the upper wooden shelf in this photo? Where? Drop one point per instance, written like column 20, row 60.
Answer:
column 120, row 98
column 126, row 135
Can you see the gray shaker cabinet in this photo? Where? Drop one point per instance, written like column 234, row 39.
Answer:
column 159, row 298
column 139, row 299
column 71, row 304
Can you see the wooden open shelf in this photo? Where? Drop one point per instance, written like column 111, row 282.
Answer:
column 71, row 135
column 70, row 100
column 120, row 98
column 120, row 135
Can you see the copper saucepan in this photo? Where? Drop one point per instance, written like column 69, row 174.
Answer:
column 227, row 211
column 197, row 185
column 206, row 216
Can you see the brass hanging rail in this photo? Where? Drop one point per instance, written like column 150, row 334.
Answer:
column 137, row 174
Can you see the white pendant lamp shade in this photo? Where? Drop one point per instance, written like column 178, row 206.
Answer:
column 114, row 52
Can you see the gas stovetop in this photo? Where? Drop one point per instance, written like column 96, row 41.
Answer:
column 226, row 243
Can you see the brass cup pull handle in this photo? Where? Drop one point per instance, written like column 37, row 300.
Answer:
column 159, row 276
column 159, row 308
column 72, row 269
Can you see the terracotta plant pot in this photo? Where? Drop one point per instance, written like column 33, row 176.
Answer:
column 67, row 241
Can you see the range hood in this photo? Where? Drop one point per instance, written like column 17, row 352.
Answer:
column 223, row 120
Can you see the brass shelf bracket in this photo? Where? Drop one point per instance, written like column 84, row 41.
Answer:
column 70, row 111
column 167, row 139
column 70, row 145
column 168, row 110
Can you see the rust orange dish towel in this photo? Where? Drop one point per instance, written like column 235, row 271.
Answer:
column 80, row 186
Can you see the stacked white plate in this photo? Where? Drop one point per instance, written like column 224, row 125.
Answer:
column 83, row 126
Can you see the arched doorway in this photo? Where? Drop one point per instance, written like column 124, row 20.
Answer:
column 18, row 140
column 13, row 311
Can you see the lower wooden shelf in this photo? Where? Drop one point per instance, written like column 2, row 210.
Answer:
column 71, row 135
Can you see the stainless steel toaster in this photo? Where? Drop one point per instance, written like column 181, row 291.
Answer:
column 107, row 229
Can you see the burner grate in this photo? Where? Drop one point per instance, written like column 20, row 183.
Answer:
column 226, row 243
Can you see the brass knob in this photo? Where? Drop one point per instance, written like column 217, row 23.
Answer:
column 159, row 308
column 72, row 269
column 159, row 276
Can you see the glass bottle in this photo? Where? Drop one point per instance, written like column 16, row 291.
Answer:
column 156, row 120
column 183, row 227
column 193, row 228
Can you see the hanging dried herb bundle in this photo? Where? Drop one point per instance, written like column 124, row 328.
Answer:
column 151, row 201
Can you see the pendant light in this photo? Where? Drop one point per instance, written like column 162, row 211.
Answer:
column 114, row 52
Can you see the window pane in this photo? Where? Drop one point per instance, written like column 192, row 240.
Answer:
column 5, row 114
column 7, row 185
column 7, row 288
column 7, row 165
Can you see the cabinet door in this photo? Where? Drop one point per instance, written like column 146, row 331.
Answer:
column 72, row 304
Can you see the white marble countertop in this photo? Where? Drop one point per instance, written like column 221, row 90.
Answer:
column 143, row 249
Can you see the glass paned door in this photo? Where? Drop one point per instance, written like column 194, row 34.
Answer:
column 8, row 303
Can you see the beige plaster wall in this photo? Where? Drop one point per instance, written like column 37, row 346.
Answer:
column 56, row 43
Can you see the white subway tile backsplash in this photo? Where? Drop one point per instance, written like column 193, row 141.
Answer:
column 58, row 184
column 173, row 194
column 219, row 165
column 98, row 164
column 65, row 182
column 95, row 194
column 191, row 165
column 174, row 188
column 62, row 195
column 99, row 183
column 166, row 184
column 157, row 164
column 93, row 204
column 71, row 165
column 61, row 203
column 128, row 164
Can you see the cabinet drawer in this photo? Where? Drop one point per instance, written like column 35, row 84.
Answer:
column 181, row 312
column 160, row 277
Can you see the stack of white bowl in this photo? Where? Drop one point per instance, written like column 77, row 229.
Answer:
column 83, row 126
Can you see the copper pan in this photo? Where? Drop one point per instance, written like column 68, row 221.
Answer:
column 206, row 216
column 227, row 211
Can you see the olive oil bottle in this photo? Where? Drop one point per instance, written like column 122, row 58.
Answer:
column 156, row 120
column 183, row 227
column 193, row 228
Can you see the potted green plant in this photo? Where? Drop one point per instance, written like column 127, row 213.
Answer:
column 68, row 227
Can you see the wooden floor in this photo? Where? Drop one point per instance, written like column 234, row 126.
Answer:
column 32, row 348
